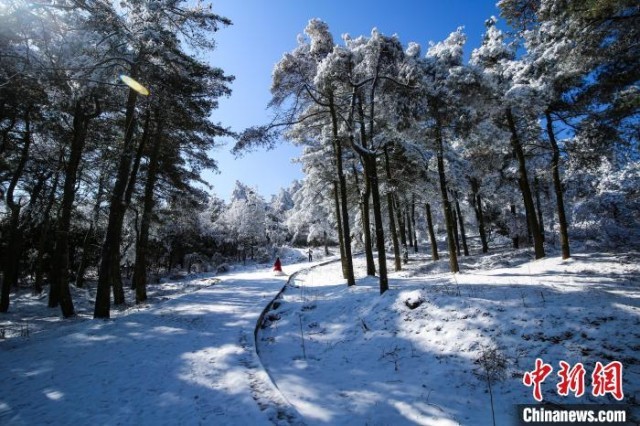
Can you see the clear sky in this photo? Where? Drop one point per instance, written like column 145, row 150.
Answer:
column 263, row 30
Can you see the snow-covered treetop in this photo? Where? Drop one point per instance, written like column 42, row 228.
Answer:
column 449, row 52
column 494, row 50
column 282, row 201
column 321, row 38
column 241, row 192
column 413, row 50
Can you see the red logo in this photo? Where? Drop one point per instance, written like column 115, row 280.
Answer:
column 608, row 379
column 536, row 377
column 571, row 379
column 605, row 379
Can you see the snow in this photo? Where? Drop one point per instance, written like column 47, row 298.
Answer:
column 328, row 353
column 339, row 354
column 188, row 360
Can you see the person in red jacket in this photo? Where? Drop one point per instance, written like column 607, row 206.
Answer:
column 277, row 267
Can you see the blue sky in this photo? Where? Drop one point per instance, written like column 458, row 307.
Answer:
column 263, row 31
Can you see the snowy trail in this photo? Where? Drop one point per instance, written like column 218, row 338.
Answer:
column 190, row 360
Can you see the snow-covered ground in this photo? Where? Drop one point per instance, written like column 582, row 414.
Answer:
column 185, row 361
column 348, row 356
column 337, row 355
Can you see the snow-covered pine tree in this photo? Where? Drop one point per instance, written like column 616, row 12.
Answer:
column 498, row 64
column 442, row 78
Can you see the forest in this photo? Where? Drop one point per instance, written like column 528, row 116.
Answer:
column 532, row 141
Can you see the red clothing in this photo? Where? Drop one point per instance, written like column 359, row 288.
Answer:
column 277, row 266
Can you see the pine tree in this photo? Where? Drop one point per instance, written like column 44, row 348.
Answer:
column 497, row 62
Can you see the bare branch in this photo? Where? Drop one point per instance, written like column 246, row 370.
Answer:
column 265, row 136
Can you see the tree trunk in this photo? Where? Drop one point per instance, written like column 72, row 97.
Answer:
column 109, row 271
column 365, row 195
column 557, row 186
column 84, row 259
column 455, row 231
column 5, row 134
column 372, row 174
column 326, row 243
column 536, row 187
column 401, row 224
column 133, row 175
column 446, row 205
column 12, row 259
column 432, row 234
column 394, row 233
column 44, row 237
column 42, row 248
column 11, row 265
column 413, row 223
column 86, row 246
column 525, row 189
column 476, row 202
column 366, row 225
column 61, row 263
column 463, row 234
column 392, row 224
column 409, row 226
column 516, row 238
column 346, row 230
column 140, row 267
column 131, row 185
column 371, row 268
column 343, row 260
